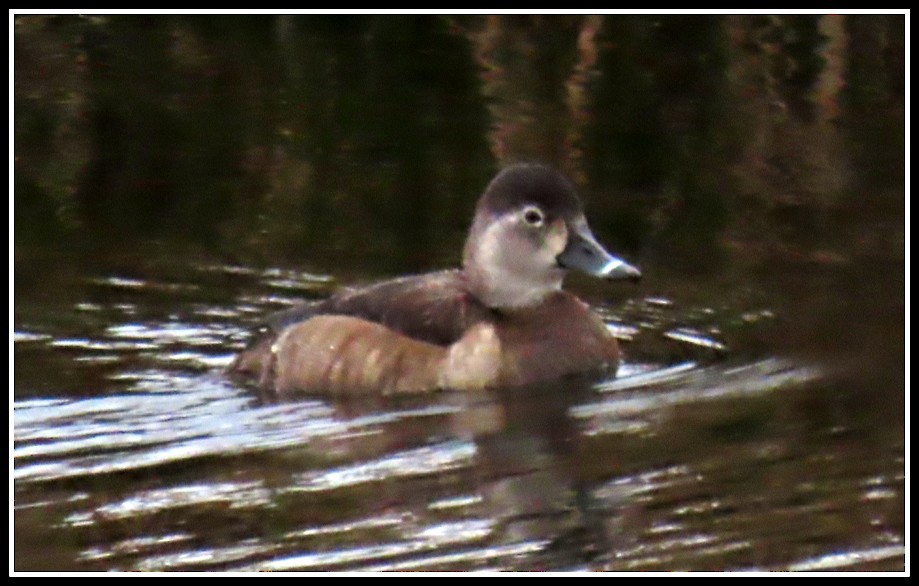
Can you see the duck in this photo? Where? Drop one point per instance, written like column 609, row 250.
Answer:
column 500, row 319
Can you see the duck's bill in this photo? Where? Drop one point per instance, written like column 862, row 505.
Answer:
column 584, row 253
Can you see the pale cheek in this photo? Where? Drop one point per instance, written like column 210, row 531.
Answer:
column 557, row 237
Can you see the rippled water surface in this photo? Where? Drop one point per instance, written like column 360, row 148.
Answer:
column 147, row 458
column 177, row 177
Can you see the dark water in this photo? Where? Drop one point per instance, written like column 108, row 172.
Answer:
column 757, row 423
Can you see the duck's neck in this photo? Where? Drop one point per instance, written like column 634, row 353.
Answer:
column 497, row 290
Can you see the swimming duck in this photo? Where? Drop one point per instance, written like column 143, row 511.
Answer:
column 501, row 319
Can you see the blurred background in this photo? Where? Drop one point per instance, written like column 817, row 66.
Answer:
column 175, row 177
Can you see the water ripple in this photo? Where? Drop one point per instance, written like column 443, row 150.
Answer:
column 426, row 460
column 71, row 438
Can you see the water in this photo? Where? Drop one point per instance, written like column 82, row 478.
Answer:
column 176, row 178
column 160, row 463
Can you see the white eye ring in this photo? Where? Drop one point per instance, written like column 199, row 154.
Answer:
column 533, row 216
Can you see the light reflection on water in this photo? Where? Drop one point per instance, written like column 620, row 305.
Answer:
column 622, row 474
column 752, row 166
column 426, row 460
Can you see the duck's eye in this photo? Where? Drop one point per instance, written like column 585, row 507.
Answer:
column 533, row 216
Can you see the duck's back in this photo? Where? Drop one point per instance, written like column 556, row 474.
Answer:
column 433, row 308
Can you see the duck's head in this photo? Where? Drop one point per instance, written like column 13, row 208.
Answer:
column 529, row 230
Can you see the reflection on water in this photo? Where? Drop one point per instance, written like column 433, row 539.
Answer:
column 698, row 464
column 752, row 165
